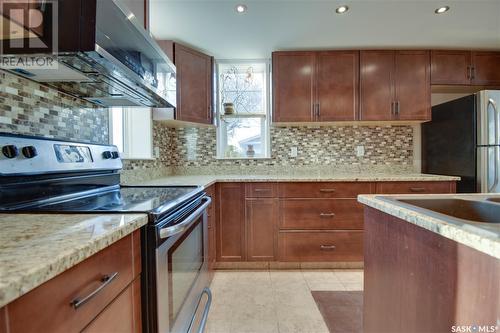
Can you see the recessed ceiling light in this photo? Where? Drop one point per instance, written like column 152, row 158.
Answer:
column 442, row 10
column 341, row 9
column 241, row 8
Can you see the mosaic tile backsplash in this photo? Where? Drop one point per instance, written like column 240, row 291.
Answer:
column 29, row 108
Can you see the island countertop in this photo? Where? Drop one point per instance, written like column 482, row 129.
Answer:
column 36, row 247
column 479, row 236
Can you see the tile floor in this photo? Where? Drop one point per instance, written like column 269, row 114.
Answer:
column 274, row 301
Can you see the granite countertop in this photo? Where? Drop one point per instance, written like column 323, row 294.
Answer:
column 207, row 180
column 483, row 237
column 36, row 247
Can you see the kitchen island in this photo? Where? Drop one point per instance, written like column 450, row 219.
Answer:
column 426, row 271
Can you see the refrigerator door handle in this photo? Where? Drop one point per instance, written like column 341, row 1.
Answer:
column 495, row 183
column 495, row 111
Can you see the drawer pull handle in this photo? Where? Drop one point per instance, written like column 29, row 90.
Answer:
column 106, row 280
column 417, row 189
column 262, row 189
column 327, row 190
column 327, row 214
column 327, row 247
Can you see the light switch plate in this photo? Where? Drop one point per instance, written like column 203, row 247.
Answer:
column 360, row 151
column 293, row 152
column 157, row 152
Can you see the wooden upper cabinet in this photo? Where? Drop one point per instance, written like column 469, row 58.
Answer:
column 194, row 85
column 413, row 85
column 486, row 68
column 377, row 85
column 262, row 237
column 395, row 85
column 450, row 67
column 293, row 86
column 337, row 85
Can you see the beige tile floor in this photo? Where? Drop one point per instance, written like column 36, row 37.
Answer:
column 274, row 301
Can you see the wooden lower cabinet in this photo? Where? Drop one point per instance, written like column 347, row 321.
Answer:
column 436, row 187
column 126, row 307
column 324, row 245
column 49, row 307
column 261, row 216
column 231, row 222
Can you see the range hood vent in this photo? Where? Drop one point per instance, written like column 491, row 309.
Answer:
column 102, row 54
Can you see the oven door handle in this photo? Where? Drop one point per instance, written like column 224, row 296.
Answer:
column 203, row 321
column 178, row 228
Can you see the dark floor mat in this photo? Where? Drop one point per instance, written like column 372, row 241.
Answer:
column 341, row 310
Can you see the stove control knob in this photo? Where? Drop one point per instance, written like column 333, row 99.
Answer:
column 107, row 155
column 10, row 151
column 115, row 155
column 29, row 151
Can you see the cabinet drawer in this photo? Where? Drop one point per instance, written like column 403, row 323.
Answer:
column 321, row 246
column 122, row 315
column 260, row 190
column 321, row 214
column 49, row 307
column 415, row 187
column 324, row 190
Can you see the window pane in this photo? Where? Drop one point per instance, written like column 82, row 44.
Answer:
column 243, row 134
column 117, row 127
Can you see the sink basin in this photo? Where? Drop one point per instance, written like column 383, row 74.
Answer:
column 474, row 211
column 494, row 199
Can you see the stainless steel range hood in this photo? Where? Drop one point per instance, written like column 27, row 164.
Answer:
column 101, row 53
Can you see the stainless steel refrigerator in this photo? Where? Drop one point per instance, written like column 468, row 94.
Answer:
column 463, row 139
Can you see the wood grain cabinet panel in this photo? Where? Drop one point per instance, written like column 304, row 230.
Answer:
column 261, row 190
column 231, row 222
column 377, row 85
column 337, row 85
column 486, row 68
column 324, row 189
column 450, row 67
column 126, row 308
column 416, row 187
column 321, row 214
column 293, row 86
column 321, row 246
column 413, row 85
column 48, row 308
column 261, row 218
column 194, row 85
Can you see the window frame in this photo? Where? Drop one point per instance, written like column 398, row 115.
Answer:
column 265, row 125
column 127, row 137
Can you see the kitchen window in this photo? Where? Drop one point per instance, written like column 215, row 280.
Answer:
column 131, row 130
column 243, row 109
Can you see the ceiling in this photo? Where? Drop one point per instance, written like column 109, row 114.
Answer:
column 215, row 27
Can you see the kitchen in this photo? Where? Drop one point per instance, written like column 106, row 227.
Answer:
column 200, row 166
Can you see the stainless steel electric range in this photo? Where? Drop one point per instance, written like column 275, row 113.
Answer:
column 49, row 176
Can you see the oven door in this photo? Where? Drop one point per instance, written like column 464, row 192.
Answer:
column 182, row 273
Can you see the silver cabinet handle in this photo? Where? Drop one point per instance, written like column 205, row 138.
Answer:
column 327, row 214
column 393, row 108
column 417, row 189
column 327, row 190
column 203, row 321
column 397, row 108
column 262, row 189
column 469, row 74
column 106, row 280
column 473, row 72
column 180, row 227
column 327, row 247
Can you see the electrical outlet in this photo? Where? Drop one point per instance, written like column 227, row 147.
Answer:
column 360, row 151
column 293, row 152
column 157, row 152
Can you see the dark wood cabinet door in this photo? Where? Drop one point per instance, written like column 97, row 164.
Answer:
column 486, row 68
column 293, row 86
column 194, row 85
column 450, row 67
column 413, row 86
column 376, row 85
column 231, row 222
column 261, row 219
column 337, row 85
